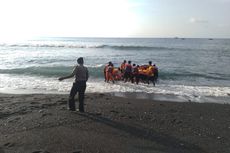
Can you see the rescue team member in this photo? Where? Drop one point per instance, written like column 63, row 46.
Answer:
column 150, row 69
column 155, row 72
column 106, row 69
column 128, row 71
column 150, row 72
column 122, row 67
column 136, row 73
column 81, row 77
column 109, row 73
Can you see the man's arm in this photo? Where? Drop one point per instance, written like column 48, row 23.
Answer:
column 68, row 76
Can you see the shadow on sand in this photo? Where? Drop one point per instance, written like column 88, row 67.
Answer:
column 168, row 143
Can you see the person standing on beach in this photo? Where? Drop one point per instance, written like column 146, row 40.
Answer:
column 81, row 77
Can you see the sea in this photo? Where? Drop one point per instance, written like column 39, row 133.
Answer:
column 190, row 69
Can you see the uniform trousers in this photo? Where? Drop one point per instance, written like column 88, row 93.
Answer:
column 78, row 87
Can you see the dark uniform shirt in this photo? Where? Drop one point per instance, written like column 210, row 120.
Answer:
column 81, row 73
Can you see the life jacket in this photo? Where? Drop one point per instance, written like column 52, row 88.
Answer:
column 150, row 70
column 141, row 70
column 145, row 72
column 122, row 66
column 115, row 71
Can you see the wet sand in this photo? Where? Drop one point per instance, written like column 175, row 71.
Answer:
column 36, row 123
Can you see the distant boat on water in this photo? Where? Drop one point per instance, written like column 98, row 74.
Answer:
column 179, row 38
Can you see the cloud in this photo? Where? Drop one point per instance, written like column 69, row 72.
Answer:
column 197, row 20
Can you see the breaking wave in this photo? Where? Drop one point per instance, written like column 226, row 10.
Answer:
column 115, row 47
column 97, row 72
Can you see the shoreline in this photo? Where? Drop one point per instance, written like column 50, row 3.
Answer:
column 135, row 95
column 41, row 123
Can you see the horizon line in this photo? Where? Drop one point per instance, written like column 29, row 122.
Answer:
column 176, row 37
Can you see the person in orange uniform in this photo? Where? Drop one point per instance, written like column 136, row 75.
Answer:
column 122, row 67
column 128, row 71
column 109, row 73
column 105, row 70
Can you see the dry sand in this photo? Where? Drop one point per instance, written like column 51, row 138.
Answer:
column 41, row 124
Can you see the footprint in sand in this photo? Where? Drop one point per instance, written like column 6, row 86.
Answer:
column 9, row 144
column 34, row 103
column 62, row 102
column 48, row 105
column 46, row 114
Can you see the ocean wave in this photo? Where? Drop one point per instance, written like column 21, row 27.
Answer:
column 38, row 71
column 97, row 72
column 103, row 46
column 192, row 75
column 54, row 71
column 123, row 47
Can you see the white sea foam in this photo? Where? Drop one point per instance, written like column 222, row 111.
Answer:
column 17, row 84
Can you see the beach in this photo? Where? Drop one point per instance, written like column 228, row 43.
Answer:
column 41, row 123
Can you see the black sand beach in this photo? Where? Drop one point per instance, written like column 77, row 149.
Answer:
column 36, row 123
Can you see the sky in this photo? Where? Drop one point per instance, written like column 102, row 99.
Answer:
column 114, row 18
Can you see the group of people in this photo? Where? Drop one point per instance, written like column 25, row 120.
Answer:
column 126, row 72
column 131, row 72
